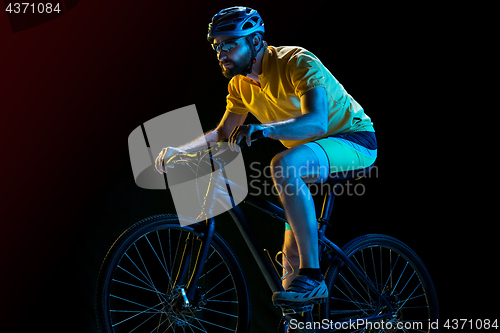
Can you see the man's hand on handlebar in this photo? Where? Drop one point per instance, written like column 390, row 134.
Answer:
column 243, row 132
column 164, row 156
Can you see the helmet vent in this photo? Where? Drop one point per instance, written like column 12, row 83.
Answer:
column 228, row 27
column 247, row 25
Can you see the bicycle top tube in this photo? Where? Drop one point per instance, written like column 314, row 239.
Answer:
column 266, row 206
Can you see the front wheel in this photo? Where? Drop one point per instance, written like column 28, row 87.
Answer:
column 141, row 285
column 396, row 272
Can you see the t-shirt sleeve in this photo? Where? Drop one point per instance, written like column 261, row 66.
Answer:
column 305, row 72
column 234, row 103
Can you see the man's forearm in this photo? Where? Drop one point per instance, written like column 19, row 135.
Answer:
column 302, row 127
column 313, row 121
column 201, row 142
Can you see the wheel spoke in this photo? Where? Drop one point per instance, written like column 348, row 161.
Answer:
column 136, row 286
column 146, row 283
column 220, row 312
column 138, row 313
column 141, row 294
column 144, row 265
column 159, row 260
column 389, row 278
column 394, row 271
column 211, row 298
column 213, row 324
column 140, row 271
column 218, row 283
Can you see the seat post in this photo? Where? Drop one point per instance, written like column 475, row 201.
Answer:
column 326, row 211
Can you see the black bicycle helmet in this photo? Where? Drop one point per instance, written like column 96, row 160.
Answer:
column 235, row 21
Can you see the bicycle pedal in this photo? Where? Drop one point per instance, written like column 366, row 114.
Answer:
column 292, row 305
column 296, row 310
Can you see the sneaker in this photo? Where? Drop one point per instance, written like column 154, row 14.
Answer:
column 301, row 292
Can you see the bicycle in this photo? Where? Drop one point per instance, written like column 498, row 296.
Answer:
column 167, row 274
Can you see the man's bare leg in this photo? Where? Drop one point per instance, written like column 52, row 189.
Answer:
column 291, row 169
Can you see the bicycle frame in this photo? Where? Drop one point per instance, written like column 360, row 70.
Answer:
column 264, row 262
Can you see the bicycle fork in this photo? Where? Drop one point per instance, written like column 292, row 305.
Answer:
column 188, row 293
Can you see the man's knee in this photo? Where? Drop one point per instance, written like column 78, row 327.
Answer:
column 278, row 162
column 282, row 166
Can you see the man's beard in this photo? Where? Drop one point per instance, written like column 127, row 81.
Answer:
column 238, row 66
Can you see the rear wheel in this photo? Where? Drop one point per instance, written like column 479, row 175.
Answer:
column 139, row 287
column 397, row 273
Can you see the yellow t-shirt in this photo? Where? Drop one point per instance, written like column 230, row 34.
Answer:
column 287, row 73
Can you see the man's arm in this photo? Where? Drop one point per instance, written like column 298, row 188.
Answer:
column 227, row 124
column 313, row 122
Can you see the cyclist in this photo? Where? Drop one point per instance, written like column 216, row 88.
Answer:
column 299, row 102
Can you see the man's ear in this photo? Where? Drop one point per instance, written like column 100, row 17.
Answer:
column 257, row 39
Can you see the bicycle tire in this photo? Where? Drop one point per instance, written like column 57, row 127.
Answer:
column 397, row 273
column 137, row 291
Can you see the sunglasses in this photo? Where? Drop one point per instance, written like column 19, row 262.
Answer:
column 226, row 46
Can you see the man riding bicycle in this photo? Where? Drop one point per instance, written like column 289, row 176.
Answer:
column 299, row 102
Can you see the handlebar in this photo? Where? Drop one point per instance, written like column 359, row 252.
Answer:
column 259, row 134
column 213, row 150
column 211, row 162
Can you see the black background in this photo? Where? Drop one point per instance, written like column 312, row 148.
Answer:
column 73, row 89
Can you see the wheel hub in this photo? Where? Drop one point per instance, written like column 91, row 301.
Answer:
column 178, row 308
